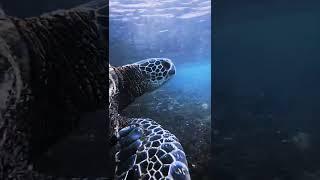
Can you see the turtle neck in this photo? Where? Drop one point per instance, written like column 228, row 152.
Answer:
column 131, row 84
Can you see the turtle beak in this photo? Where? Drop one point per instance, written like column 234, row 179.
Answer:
column 172, row 72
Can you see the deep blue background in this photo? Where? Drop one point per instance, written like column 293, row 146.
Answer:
column 267, row 93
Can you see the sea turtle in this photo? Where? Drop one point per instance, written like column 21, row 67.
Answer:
column 54, row 67
column 146, row 149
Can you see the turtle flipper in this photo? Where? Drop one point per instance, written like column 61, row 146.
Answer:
column 148, row 150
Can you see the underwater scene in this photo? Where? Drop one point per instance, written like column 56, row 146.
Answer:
column 266, row 95
column 180, row 31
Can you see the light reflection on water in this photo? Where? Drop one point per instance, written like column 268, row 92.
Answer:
column 121, row 10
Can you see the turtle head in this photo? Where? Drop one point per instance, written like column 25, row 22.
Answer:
column 141, row 77
column 156, row 71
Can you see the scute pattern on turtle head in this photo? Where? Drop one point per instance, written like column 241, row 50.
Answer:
column 157, row 71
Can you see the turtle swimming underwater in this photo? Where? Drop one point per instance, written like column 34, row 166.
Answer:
column 54, row 67
column 146, row 149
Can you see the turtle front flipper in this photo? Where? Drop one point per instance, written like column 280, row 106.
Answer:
column 147, row 150
column 141, row 77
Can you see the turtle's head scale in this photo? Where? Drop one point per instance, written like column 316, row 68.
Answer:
column 157, row 71
column 141, row 77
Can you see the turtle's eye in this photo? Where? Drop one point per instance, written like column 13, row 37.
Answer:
column 166, row 64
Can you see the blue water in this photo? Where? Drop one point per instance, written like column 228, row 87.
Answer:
column 180, row 31
column 193, row 79
column 267, row 90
